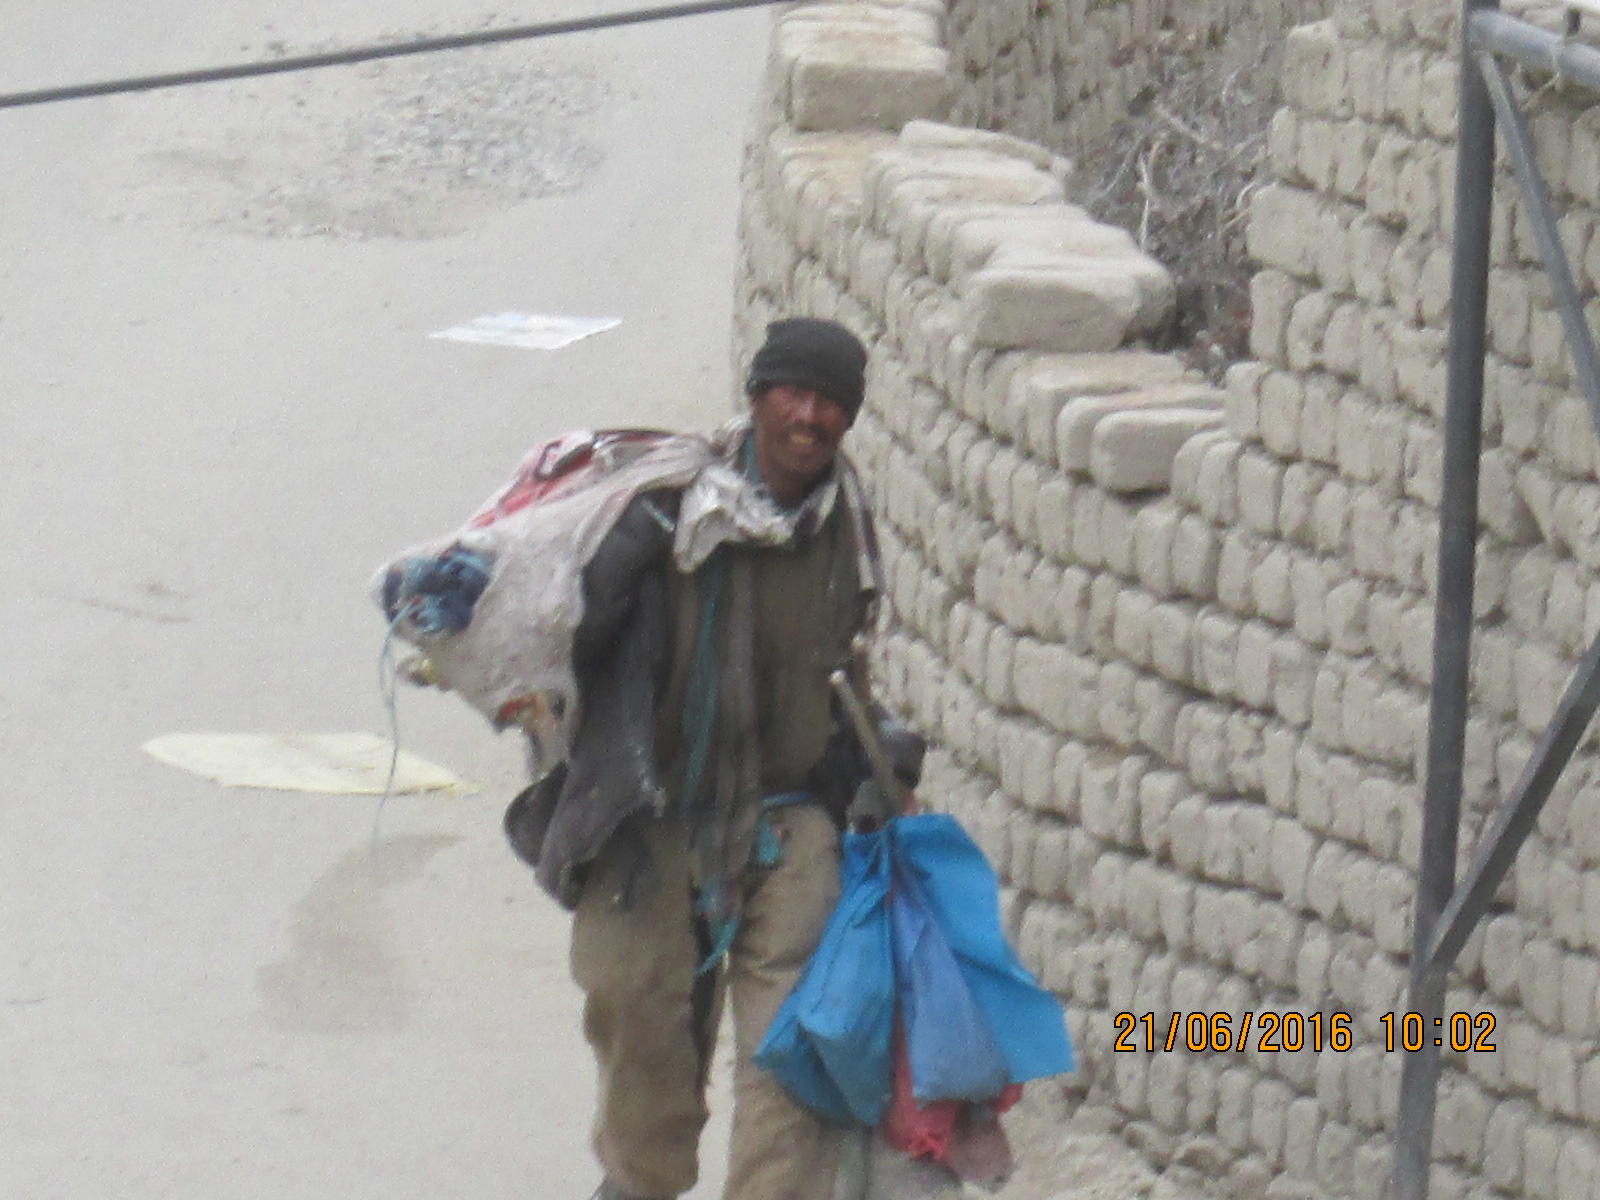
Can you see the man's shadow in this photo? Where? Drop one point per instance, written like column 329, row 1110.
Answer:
column 342, row 973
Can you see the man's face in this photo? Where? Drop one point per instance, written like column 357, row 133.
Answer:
column 797, row 432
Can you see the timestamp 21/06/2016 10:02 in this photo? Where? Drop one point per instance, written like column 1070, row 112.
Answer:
column 1271, row 1032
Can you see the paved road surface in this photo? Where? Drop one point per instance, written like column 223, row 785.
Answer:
column 219, row 410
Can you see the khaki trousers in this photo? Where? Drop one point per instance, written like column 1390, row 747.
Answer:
column 651, row 1024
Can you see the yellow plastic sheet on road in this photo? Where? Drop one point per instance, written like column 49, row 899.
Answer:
column 340, row 764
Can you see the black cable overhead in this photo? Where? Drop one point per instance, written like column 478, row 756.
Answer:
column 359, row 54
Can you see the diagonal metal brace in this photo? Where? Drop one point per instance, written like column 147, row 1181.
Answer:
column 1536, row 193
column 1515, row 820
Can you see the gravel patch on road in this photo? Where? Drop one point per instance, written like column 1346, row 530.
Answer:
column 410, row 148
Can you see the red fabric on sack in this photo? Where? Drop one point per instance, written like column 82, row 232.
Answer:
column 925, row 1130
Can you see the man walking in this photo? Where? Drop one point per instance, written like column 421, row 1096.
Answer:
column 718, row 612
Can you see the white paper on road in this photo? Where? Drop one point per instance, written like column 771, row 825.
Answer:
column 528, row 330
column 340, row 764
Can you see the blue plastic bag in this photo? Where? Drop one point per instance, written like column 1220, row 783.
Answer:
column 963, row 897
column 975, row 1018
column 952, row 1052
column 829, row 1043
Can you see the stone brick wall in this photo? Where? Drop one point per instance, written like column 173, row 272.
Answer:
column 1172, row 644
column 1062, row 72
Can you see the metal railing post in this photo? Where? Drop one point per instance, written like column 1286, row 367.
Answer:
column 1452, row 637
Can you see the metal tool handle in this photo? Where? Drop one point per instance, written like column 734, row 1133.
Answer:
column 897, row 793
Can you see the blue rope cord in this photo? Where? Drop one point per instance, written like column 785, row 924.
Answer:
column 388, row 688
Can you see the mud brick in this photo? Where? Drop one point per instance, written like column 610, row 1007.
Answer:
column 1116, row 535
column 1118, row 713
column 1054, row 515
column 1225, row 851
column 1510, row 315
column 1386, row 985
column 1279, row 215
column 1541, row 676
column 1558, row 1077
column 1303, row 335
column 1043, row 385
column 1324, row 879
column 1131, row 629
column 1245, row 748
column 1272, row 296
column 973, row 654
column 1578, row 1169
column 1347, row 970
column 1358, row 888
column 1315, row 69
column 1233, row 1108
column 1186, row 825
column 1371, row 443
column 1128, row 1075
column 1241, row 554
column 1167, row 1099
column 1027, row 761
column 1196, row 549
column 971, row 484
column 1155, row 530
column 1210, row 925
column 1346, row 610
column 1201, row 737
column 1314, row 783
column 1026, row 479
column 1087, row 545
column 1217, row 659
column 1353, row 154
column 1580, row 985
column 1310, row 580
column 1066, row 775
column 1274, row 952
column 996, row 483
column 1172, row 641
column 1058, row 687
column 1541, row 981
column 1242, row 399
column 1564, row 615
column 1424, row 463
column 1268, row 1120
column 1217, row 490
column 1088, row 306
column 1294, row 673
column 1125, row 959
column 1177, row 913
column 1260, row 486
column 1159, row 791
column 1253, row 824
column 1319, row 421
column 1381, row 802
column 1541, row 1154
column 1254, row 677
column 1283, row 147
column 1270, row 591
column 1301, row 484
column 1504, row 1141
column 1577, row 523
column 1133, row 450
column 1385, row 195
column 1142, row 908
column 1072, row 607
column 1278, row 749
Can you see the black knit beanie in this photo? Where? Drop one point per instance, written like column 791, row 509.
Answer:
column 812, row 353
